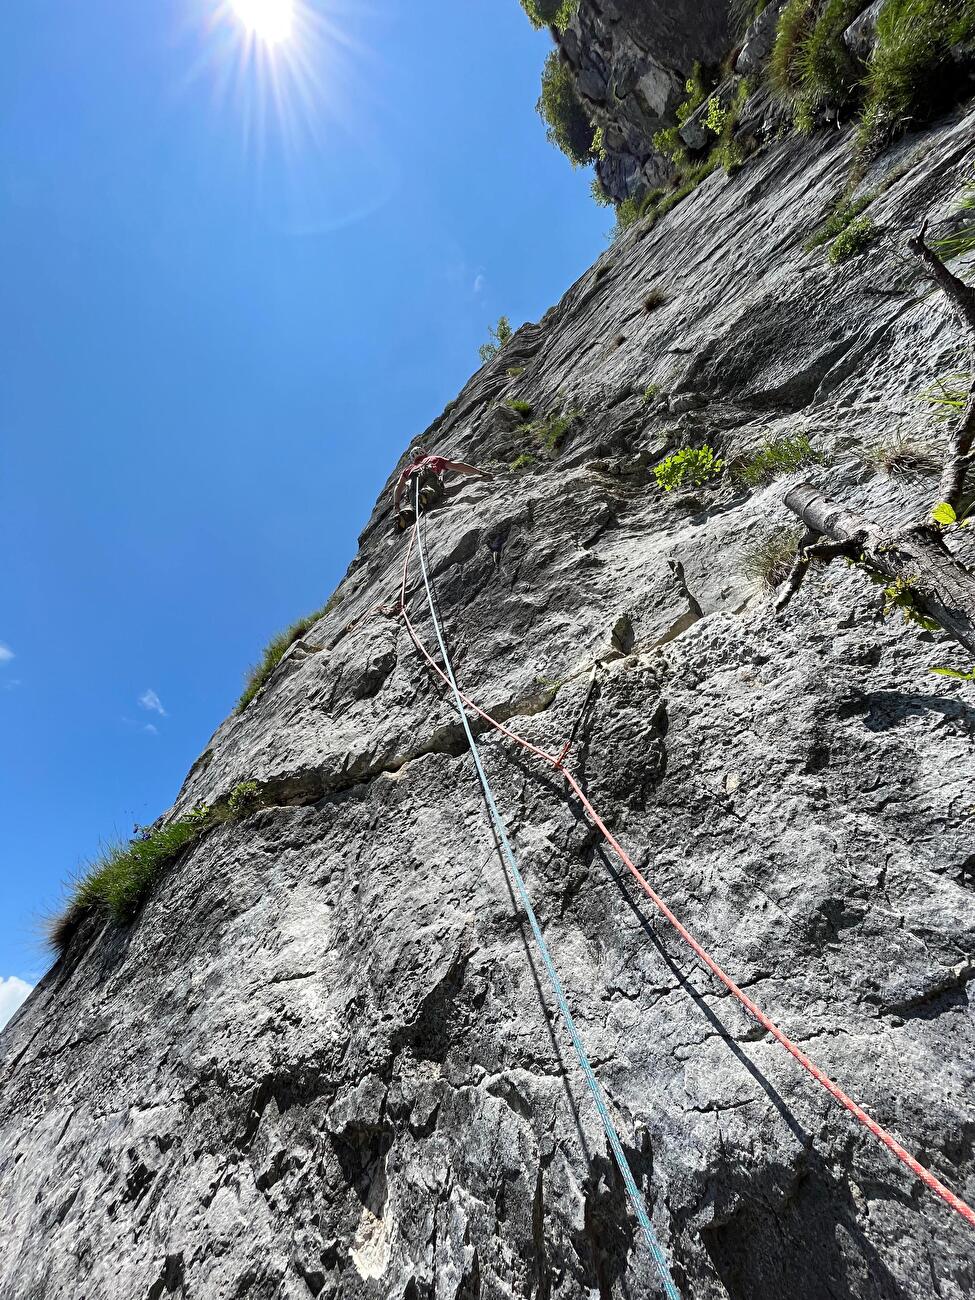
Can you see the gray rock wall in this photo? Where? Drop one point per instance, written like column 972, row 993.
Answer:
column 631, row 59
column 324, row 1060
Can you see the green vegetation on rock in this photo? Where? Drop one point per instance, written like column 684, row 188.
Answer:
column 522, row 408
column 810, row 64
column 770, row 561
column 778, row 456
column 117, row 882
column 962, row 240
column 500, row 334
column 912, row 71
column 550, row 13
column 688, row 467
column 560, row 108
column 276, row 649
column 845, row 212
column 855, row 237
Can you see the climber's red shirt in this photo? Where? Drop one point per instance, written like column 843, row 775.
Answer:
column 437, row 463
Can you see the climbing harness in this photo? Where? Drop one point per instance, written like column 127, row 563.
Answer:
column 646, row 1227
column 557, row 762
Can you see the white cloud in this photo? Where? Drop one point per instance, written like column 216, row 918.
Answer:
column 6, row 654
column 150, row 700
column 12, row 684
column 13, row 992
column 479, row 282
column 152, row 730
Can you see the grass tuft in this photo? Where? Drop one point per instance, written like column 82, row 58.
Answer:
column 770, row 562
column 118, row 881
column 912, row 73
column 519, row 407
column 778, row 456
column 524, row 461
column 901, row 455
column 962, row 240
column 276, row 649
column 653, row 299
column 796, row 22
column 553, row 430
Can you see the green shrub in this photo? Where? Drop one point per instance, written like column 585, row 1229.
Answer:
column 778, row 456
column 716, row 116
column 845, row 212
column 911, row 73
column 689, row 467
column 244, row 797
column 651, row 392
column 524, row 461
column 599, row 194
column 857, row 236
column 697, row 89
column 560, row 108
column 550, row 13
column 770, row 562
column 500, row 335
column 626, row 213
column 275, row 651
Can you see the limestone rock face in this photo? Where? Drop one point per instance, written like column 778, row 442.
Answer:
column 631, row 59
column 324, row 1060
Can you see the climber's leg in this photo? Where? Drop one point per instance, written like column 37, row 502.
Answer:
column 431, row 489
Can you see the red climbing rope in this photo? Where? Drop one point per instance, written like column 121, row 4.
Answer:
column 557, row 762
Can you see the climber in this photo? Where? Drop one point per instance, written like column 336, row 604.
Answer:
column 429, row 471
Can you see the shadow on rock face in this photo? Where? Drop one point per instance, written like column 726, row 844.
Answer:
column 887, row 709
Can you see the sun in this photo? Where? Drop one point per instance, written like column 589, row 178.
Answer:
column 269, row 20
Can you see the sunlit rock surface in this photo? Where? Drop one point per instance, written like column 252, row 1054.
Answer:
column 325, row 1062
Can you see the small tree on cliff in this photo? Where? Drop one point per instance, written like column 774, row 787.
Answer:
column 560, row 108
column 550, row 13
column 921, row 575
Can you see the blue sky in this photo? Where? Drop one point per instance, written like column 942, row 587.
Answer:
column 235, row 285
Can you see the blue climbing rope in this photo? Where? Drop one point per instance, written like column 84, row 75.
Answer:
column 639, row 1208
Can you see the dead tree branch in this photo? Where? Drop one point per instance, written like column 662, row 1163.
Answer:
column 917, row 557
column 914, row 561
column 958, row 453
column 810, row 549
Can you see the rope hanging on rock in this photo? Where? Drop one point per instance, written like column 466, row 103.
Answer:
column 643, row 1219
column 557, row 762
